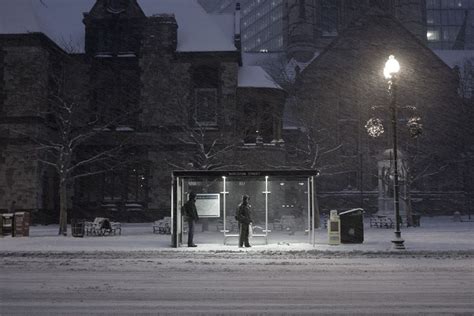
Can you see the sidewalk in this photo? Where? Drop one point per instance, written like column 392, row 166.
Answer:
column 436, row 234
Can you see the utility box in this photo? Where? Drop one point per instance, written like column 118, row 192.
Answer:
column 21, row 224
column 334, row 228
column 352, row 226
column 7, row 224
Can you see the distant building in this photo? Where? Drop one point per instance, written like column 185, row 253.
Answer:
column 290, row 25
column 450, row 24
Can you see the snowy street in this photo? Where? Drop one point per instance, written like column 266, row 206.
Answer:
column 124, row 283
column 138, row 273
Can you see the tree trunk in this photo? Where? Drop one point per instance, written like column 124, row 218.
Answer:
column 62, row 207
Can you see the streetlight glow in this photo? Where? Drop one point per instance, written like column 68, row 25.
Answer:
column 391, row 67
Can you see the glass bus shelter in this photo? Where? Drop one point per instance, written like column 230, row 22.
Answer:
column 282, row 205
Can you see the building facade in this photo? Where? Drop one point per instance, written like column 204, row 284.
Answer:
column 144, row 74
column 146, row 80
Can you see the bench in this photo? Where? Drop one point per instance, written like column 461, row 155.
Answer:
column 102, row 226
column 162, row 226
column 380, row 221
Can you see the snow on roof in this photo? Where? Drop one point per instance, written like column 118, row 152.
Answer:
column 61, row 21
column 454, row 57
column 293, row 63
column 255, row 77
column 225, row 22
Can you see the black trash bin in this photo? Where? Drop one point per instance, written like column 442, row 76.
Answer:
column 6, row 220
column 77, row 228
column 352, row 226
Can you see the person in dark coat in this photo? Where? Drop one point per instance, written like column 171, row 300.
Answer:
column 244, row 219
column 190, row 211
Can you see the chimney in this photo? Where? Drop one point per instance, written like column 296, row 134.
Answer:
column 237, row 40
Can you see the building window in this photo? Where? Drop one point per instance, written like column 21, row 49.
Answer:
column 445, row 18
column 126, row 186
column 113, row 187
column 257, row 121
column 205, row 106
column 206, row 83
column 329, row 17
column 433, row 35
column 136, row 184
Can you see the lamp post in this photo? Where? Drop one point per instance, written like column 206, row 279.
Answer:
column 392, row 67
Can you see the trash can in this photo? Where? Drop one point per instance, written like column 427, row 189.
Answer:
column 21, row 227
column 416, row 220
column 352, row 226
column 334, row 228
column 77, row 228
column 7, row 224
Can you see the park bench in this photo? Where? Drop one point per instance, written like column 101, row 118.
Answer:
column 102, row 226
column 162, row 226
column 381, row 221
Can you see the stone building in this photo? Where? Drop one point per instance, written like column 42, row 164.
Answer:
column 190, row 103
column 343, row 87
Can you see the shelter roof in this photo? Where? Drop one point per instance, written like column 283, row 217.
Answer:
column 245, row 173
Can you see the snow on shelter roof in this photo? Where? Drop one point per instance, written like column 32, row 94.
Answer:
column 61, row 21
column 255, row 77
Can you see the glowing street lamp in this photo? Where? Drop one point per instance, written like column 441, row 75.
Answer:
column 392, row 67
column 390, row 71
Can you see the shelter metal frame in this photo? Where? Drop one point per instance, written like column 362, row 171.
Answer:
column 178, row 199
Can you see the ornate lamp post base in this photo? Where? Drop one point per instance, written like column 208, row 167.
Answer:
column 398, row 242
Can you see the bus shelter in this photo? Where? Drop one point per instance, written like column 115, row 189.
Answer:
column 282, row 202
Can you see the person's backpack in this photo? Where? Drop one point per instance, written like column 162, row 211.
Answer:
column 183, row 210
column 237, row 214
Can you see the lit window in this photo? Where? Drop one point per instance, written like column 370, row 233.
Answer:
column 432, row 35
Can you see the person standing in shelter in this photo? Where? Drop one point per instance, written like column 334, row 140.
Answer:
column 244, row 218
column 190, row 211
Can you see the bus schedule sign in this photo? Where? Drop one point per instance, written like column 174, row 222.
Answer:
column 208, row 204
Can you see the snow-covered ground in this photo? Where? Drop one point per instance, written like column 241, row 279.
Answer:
column 139, row 274
column 435, row 234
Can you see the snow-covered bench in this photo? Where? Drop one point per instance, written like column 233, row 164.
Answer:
column 163, row 226
column 102, row 226
column 381, row 221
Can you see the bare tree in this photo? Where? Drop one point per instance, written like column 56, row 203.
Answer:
column 202, row 143
column 315, row 142
column 70, row 139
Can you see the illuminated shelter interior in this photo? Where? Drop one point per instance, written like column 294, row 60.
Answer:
column 282, row 201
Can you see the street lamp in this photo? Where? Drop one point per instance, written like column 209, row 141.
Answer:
column 390, row 71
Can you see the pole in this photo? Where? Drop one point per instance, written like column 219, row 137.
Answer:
column 398, row 242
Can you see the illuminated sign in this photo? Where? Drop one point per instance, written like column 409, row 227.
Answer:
column 208, row 204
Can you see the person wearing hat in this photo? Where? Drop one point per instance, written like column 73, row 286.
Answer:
column 244, row 219
column 191, row 214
